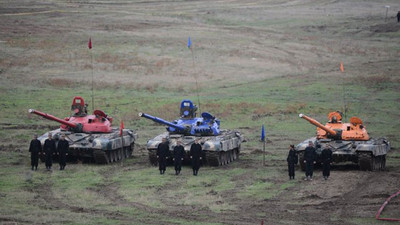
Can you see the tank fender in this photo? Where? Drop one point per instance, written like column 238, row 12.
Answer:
column 102, row 144
column 373, row 149
column 303, row 145
column 212, row 146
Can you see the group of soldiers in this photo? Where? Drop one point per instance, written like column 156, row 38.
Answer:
column 310, row 157
column 49, row 149
column 178, row 155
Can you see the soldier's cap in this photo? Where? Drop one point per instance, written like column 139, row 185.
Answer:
column 292, row 146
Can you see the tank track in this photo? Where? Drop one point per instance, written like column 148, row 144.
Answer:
column 106, row 157
column 221, row 158
column 367, row 161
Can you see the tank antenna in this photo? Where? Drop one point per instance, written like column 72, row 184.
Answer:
column 91, row 60
column 194, row 69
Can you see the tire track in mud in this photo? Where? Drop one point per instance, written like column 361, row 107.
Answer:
column 45, row 192
column 171, row 210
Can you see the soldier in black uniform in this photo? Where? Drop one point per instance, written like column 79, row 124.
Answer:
column 292, row 160
column 62, row 149
column 49, row 148
column 309, row 160
column 196, row 156
column 398, row 16
column 326, row 156
column 162, row 155
column 35, row 148
column 179, row 154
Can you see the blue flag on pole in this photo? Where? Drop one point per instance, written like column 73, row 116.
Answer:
column 189, row 43
column 262, row 133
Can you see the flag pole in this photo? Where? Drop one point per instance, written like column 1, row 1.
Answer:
column 91, row 56
column 121, row 133
column 91, row 60
column 263, row 140
column 344, row 92
column 264, row 152
column 195, row 75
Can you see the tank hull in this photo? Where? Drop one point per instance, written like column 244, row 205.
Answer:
column 369, row 155
column 217, row 150
column 100, row 148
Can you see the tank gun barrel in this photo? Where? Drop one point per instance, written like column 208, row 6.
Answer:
column 318, row 124
column 159, row 120
column 51, row 117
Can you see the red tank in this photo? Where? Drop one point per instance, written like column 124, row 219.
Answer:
column 80, row 121
column 91, row 137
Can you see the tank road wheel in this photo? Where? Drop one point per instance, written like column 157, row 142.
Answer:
column 130, row 150
column 366, row 161
column 379, row 162
column 114, row 155
column 119, row 154
column 108, row 156
column 301, row 161
column 224, row 158
column 383, row 162
column 237, row 152
column 100, row 157
column 213, row 158
column 234, row 156
column 123, row 152
column 111, row 156
column 116, row 151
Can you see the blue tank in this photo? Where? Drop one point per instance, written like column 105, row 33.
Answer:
column 219, row 146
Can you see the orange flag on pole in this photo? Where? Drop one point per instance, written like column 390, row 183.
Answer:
column 341, row 66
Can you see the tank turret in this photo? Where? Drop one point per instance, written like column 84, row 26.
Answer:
column 99, row 122
column 335, row 129
column 188, row 123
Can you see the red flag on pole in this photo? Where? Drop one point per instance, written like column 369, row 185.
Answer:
column 121, row 129
column 90, row 43
column 341, row 66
